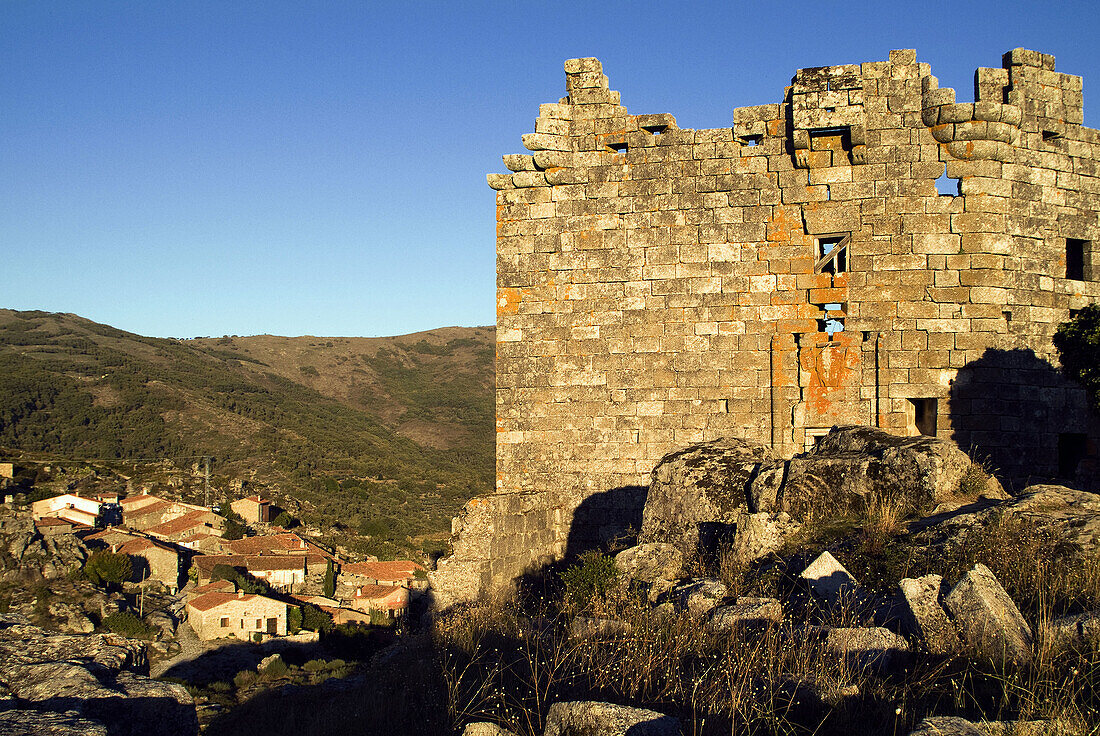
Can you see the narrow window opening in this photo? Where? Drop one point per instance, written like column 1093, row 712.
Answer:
column 948, row 187
column 617, row 147
column 923, row 414
column 832, row 254
column 1051, row 136
column 828, row 193
column 723, row 406
column 830, row 109
column 1007, row 314
column 814, row 435
column 655, row 130
column 751, row 140
column 1075, row 258
column 1072, row 448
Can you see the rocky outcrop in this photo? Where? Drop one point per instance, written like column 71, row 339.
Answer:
column 24, row 552
column 706, row 493
column 88, row 684
column 588, row 718
column 697, row 495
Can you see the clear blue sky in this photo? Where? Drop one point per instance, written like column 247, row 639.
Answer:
column 314, row 167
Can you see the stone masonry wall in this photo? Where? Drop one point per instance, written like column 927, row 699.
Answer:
column 659, row 286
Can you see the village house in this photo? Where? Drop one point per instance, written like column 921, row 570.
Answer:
column 391, row 600
column 67, row 506
column 145, row 512
column 216, row 586
column 152, row 561
column 191, row 524
column 279, row 571
column 220, row 615
column 317, row 557
column 51, row 526
column 340, row 615
column 400, row 573
column 253, row 509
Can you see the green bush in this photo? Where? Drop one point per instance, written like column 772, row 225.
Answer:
column 590, row 578
column 127, row 624
column 108, row 568
column 285, row 520
column 1078, row 343
column 293, row 619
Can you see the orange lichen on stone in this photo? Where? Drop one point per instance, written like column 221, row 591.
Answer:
column 508, row 301
column 829, row 368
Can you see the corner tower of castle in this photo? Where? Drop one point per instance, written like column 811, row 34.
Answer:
column 658, row 286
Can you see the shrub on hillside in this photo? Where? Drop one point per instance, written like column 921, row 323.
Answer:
column 128, row 624
column 108, row 568
column 1078, row 343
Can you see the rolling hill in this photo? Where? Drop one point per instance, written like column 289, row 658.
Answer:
column 386, row 436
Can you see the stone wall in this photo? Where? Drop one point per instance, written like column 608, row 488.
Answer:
column 659, row 286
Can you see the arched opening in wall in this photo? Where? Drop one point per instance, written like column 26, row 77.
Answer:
column 947, row 186
column 922, row 415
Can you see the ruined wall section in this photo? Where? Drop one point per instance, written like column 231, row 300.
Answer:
column 659, row 286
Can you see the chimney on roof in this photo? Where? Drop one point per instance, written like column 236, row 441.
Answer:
column 240, row 594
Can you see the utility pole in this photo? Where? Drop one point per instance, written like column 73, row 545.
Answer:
column 206, row 498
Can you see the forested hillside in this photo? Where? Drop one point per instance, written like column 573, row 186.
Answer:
column 384, row 435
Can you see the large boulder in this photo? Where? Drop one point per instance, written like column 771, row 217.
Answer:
column 946, row 726
column 96, row 678
column 851, row 464
column 759, row 535
column 987, row 619
column 590, row 718
column 876, row 649
column 697, row 495
column 746, row 613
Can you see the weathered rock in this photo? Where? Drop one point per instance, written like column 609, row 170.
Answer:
column 987, row 619
column 1072, row 631
column 585, row 627
column 1074, row 514
column 760, row 534
column 853, row 463
column 486, row 729
column 946, row 726
column 831, row 582
column 37, row 722
column 96, row 678
column 649, row 563
column 746, row 612
column 269, row 661
column 700, row 595
column 697, row 495
column 924, row 617
column 868, row 649
column 589, row 718
column 1026, row 728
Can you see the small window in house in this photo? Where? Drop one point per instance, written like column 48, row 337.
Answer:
column 224, row 622
column 923, row 414
column 1072, row 447
column 617, row 147
column 832, row 254
column 1051, row 136
column 1076, row 249
column 751, row 140
column 259, row 623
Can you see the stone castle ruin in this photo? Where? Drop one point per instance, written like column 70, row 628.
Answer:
column 801, row 269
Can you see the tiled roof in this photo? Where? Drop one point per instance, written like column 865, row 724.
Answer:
column 212, row 600
column 189, row 520
column 138, row 545
column 52, row 521
column 376, row 592
column 157, row 507
column 390, row 570
column 217, row 586
column 206, row 563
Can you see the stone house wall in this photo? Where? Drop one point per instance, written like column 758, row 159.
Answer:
column 659, row 286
